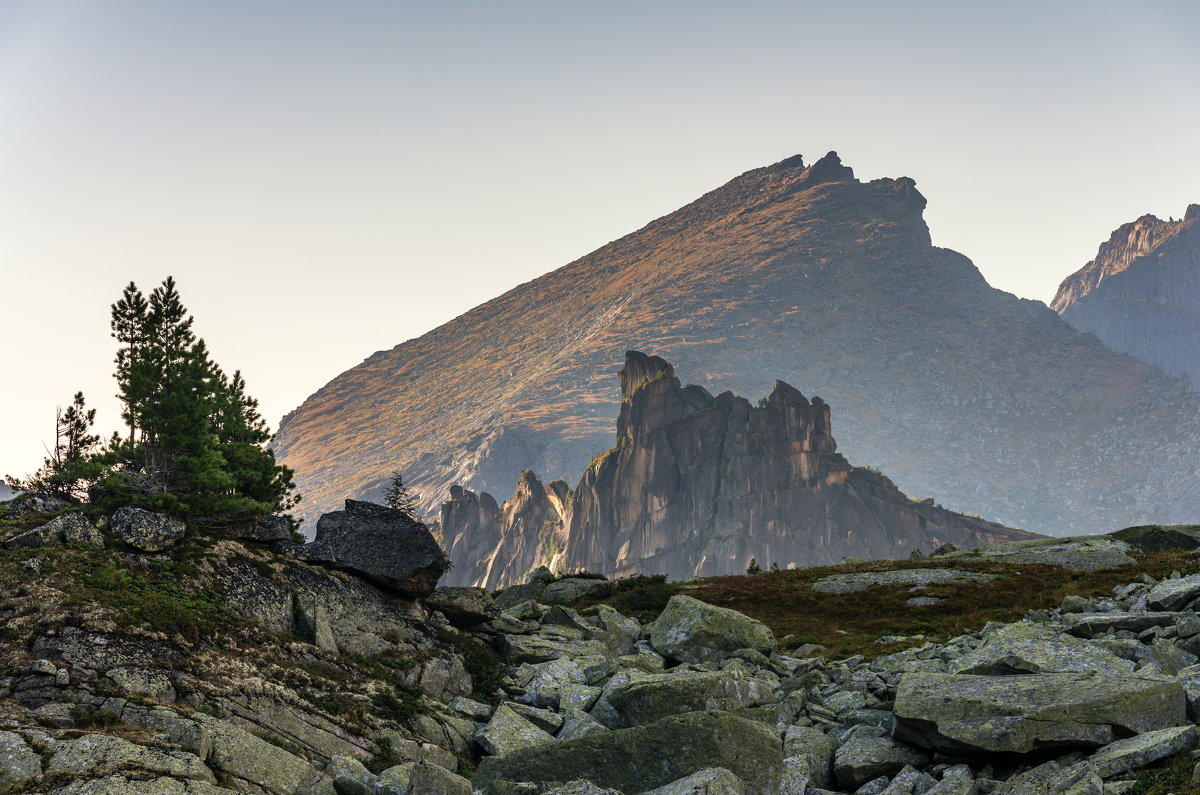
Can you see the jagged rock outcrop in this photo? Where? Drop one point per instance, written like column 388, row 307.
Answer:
column 1141, row 294
column 501, row 544
column 698, row 484
column 988, row 403
column 701, row 485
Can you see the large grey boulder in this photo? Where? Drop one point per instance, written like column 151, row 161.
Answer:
column 268, row 530
column 18, row 761
column 1080, row 553
column 98, row 754
column 658, row 696
column 463, row 607
column 692, row 631
column 573, row 589
column 382, row 546
column 146, row 531
column 509, row 731
column 72, row 529
column 710, row 781
column 1092, row 625
column 1173, row 594
column 644, row 757
column 1022, row 713
column 863, row 758
column 1027, row 647
column 276, row 771
column 815, row 748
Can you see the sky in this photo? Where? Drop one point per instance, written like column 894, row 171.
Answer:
column 325, row 180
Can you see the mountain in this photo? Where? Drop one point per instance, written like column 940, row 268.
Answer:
column 1141, row 294
column 960, row 392
column 698, row 485
column 6, row 493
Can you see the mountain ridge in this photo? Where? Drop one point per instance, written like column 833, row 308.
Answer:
column 989, row 403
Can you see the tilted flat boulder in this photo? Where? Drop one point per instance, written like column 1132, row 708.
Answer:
column 382, row 546
column 149, row 532
column 644, row 701
column 1173, row 594
column 692, row 631
column 644, row 757
column 463, row 607
column 1160, row 538
column 1026, row 647
column 1021, row 713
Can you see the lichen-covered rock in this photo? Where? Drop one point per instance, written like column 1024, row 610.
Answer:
column 146, row 531
column 72, row 529
column 268, row 530
column 1174, row 593
column 1080, row 553
column 659, row 696
column 1092, row 625
column 645, row 757
column 573, row 589
column 956, row 780
column 382, row 546
column 430, row 779
column 1021, row 713
column 102, row 753
column 1139, row 751
column 854, row 581
column 692, row 631
column 508, row 731
column 1027, row 647
column 18, row 761
column 863, row 758
column 154, row 684
column 350, row 776
column 120, row 785
column 577, row 723
column 463, row 607
column 709, row 781
column 242, row 755
column 815, row 748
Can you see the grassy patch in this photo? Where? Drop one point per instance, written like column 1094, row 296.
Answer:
column 850, row 623
column 398, row 704
column 642, row 596
column 1170, row 777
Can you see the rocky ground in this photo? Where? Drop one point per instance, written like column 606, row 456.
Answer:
column 143, row 655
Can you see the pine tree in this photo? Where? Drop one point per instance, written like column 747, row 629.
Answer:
column 69, row 470
column 399, row 498
column 128, row 328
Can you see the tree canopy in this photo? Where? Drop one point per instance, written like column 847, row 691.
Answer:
column 196, row 442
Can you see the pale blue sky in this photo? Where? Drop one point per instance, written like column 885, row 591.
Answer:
column 329, row 179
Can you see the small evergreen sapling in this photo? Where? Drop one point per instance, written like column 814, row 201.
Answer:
column 399, row 498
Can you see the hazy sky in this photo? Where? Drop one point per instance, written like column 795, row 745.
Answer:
column 325, row 180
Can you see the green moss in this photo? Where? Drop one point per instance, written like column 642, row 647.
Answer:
column 485, row 667
column 398, row 704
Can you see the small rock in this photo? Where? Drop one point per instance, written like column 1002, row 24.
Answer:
column 43, row 667
column 146, row 531
column 1074, row 604
column 62, row 678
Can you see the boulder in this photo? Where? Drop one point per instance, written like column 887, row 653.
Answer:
column 692, row 631
column 1141, row 750
column 709, row 781
column 276, row 771
column 508, row 731
column 382, row 546
column 658, row 696
column 864, row 758
column 463, row 607
column 577, row 723
column 574, row 589
column 644, row 757
column 97, row 754
column 1079, row 553
column 268, row 530
column 1092, row 625
column 350, row 776
column 1173, row 594
column 18, row 762
column 516, row 594
column 1160, row 538
column 1027, row 647
column 426, row 778
column 1022, row 713
column 72, row 529
column 852, row 582
column 146, row 531
column 815, row 748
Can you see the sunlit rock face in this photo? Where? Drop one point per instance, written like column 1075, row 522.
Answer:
column 1141, row 294
column 702, row 485
column 987, row 403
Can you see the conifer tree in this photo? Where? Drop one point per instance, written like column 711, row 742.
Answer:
column 398, row 497
column 69, row 469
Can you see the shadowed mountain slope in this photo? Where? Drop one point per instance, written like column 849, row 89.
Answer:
column 1141, row 294
column 988, row 403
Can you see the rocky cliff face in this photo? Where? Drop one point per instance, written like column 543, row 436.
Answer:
column 1141, row 294
column 988, row 403
column 701, row 485
column 492, row 543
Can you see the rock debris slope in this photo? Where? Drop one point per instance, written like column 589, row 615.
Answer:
column 990, row 404
column 237, row 661
column 1141, row 294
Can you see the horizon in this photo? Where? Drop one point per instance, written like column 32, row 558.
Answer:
column 326, row 184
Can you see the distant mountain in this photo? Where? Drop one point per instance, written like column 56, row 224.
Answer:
column 988, row 403
column 1141, row 294
column 5, row 492
column 698, row 485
